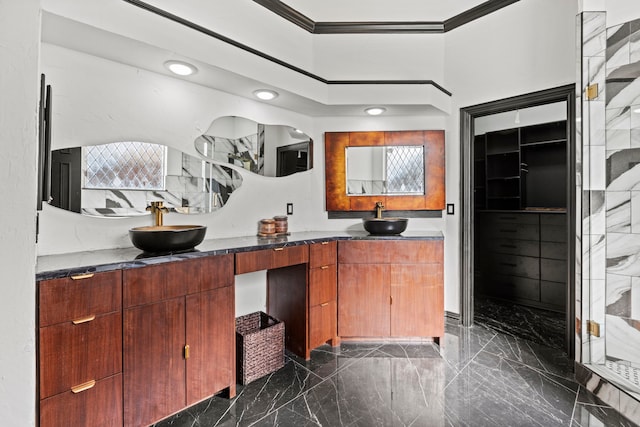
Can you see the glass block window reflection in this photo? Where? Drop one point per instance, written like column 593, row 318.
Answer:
column 405, row 170
column 125, row 165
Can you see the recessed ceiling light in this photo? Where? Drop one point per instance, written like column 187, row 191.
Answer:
column 375, row 111
column 180, row 68
column 266, row 94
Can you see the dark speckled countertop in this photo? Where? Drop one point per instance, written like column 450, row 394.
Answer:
column 64, row 265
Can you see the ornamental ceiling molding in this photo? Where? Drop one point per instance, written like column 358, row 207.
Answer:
column 302, row 21
column 383, row 27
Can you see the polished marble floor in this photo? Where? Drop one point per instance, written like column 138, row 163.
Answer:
column 480, row 377
column 541, row 326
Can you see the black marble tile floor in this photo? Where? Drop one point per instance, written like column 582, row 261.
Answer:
column 537, row 325
column 480, row 377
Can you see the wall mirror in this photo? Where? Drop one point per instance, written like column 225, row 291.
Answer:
column 385, row 170
column 402, row 169
column 268, row 150
column 120, row 179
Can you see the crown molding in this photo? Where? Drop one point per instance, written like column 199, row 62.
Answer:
column 182, row 21
column 398, row 27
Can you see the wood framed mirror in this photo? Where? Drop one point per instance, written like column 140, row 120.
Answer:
column 338, row 197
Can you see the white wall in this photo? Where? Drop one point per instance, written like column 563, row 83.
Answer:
column 525, row 47
column 19, row 82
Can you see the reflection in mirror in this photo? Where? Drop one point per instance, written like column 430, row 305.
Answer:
column 121, row 178
column 381, row 170
column 268, row 150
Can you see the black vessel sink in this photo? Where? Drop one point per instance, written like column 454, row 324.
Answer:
column 167, row 238
column 385, row 226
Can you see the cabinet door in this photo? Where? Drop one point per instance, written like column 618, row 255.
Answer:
column 322, row 323
column 417, row 300
column 363, row 303
column 211, row 340
column 154, row 368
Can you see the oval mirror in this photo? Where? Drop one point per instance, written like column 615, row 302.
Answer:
column 268, row 150
column 119, row 179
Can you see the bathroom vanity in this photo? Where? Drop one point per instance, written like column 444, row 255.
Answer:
column 129, row 340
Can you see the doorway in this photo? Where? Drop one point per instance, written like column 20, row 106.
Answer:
column 518, row 192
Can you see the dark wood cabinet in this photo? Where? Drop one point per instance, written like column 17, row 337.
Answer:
column 522, row 257
column 179, row 323
column 302, row 295
column 323, row 294
column 390, row 288
column 520, row 185
column 80, row 350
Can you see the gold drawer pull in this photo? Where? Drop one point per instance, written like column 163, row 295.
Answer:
column 82, row 276
column 324, row 305
column 324, row 267
column 187, row 351
column 83, row 387
column 84, row 319
column 278, row 249
column 324, row 243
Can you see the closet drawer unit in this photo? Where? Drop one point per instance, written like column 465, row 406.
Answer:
column 515, row 265
column 515, row 231
column 322, row 284
column 323, row 254
column 553, row 233
column 267, row 259
column 514, row 287
column 553, row 250
column 559, row 219
column 99, row 404
column 553, row 293
column 70, row 298
column 73, row 353
column 514, row 247
column 509, row 218
column 553, row 270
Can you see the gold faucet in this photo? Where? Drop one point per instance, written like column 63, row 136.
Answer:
column 379, row 208
column 157, row 209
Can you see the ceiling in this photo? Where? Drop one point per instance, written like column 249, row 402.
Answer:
column 381, row 10
column 135, row 48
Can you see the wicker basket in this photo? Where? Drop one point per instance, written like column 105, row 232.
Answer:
column 259, row 346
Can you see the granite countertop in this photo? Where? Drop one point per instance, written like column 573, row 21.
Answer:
column 64, row 265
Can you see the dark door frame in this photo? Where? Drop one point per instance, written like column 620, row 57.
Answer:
column 467, row 117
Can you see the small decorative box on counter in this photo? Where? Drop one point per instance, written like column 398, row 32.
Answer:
column 259, row 346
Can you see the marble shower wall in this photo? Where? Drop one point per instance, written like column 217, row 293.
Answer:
column 623, row 193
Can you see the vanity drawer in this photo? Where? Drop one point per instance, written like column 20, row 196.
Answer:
column 322, row 284
column 415, row 252
column 72, row 354
column 322, row 323
column 363, row 252
column 324, row 253
column 69, row 298
column 217, row 272
column 267, row 259
column 99, row 405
